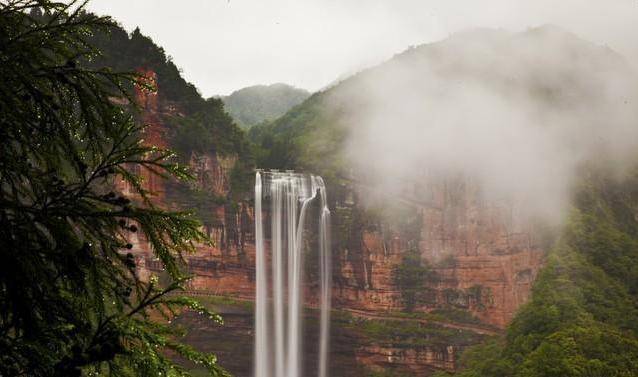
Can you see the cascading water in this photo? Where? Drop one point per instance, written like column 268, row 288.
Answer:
column 278, row 310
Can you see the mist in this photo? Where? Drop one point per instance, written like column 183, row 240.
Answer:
column 517, row 113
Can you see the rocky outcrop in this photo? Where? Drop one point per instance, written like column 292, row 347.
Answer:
column 154, row 133
column 225, row 266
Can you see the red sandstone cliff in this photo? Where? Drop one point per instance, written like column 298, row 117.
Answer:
column 226, row 266
column 485, row 258
column 485, row 262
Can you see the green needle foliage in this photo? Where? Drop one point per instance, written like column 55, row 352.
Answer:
column 70, row 301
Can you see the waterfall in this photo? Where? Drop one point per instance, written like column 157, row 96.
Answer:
column 278, row 317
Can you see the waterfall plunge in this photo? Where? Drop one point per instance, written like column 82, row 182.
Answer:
column 278, row 315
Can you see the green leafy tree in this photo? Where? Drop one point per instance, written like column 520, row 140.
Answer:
column 410, row 277
column 70, row 300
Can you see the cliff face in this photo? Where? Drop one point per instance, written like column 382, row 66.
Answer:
column 417, row 361
column 154, row 132
column 484, row 259
column 226, row 266
column 212, row 172
column 483, row 256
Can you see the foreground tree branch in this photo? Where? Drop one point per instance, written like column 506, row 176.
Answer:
column 70, row 301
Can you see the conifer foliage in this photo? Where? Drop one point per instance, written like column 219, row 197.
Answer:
column 70, row 301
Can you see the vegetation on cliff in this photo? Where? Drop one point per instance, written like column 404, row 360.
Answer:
column 197, row 124
column 411, row 276
column 262, row 103
column 71, row 303
column 582, row 318
column 200, row 125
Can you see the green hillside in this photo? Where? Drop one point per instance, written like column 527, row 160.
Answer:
column 582, row 319
column 255, row 104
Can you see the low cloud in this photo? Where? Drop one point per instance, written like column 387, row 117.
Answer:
column 517, row 113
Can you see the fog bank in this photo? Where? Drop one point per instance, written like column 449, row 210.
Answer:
column 516, row 112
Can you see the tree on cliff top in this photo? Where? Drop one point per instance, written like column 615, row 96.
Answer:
column 70, row 301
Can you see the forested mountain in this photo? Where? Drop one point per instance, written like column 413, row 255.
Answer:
column 580, row 320
column 255, row 104
column 192, row 126
column 541, row 69
column 122, row 52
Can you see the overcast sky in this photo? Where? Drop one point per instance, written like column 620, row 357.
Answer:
column 223, row 45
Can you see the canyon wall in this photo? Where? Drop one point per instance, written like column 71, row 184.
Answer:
column 483, row 258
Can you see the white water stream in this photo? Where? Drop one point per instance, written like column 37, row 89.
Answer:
column 279, row 287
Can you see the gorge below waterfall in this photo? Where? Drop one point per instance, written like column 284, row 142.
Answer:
column 278, row 319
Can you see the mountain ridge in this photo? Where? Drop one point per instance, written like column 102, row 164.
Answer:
column 261, row 103
column 326, row 108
